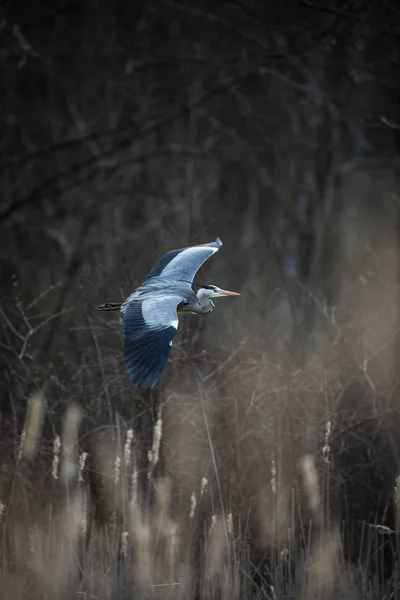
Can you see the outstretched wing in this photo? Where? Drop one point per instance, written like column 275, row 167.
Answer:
column 184, row 263
column 150, row 325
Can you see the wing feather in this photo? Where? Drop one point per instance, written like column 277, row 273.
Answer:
column 150, row 325
column 183, row 264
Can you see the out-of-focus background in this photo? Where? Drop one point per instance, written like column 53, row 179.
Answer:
column 266, row 462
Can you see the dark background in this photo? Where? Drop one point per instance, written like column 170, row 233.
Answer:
column 129, row 129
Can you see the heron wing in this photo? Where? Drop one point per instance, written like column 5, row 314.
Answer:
column 184, row 263
column 150, row 325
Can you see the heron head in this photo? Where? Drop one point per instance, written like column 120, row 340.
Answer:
column 212, row 291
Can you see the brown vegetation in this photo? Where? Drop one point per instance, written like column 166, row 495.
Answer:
column 266, row 464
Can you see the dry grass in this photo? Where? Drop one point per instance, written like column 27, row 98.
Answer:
column 233, row 504
column 244, row 478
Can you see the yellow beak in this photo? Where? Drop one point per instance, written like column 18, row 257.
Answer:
column 227, row 293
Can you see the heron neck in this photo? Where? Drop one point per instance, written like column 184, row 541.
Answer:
column 203, row 298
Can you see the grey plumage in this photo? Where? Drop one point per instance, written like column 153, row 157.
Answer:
column 151, row 312
column 183, row 264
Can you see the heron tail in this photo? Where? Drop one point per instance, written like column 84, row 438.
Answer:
column 109, row 306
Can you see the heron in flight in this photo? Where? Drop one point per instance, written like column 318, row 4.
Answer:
column 151, row 312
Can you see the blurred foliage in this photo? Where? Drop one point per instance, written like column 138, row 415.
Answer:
column 129, row 129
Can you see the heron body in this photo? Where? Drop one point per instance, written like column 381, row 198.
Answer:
column 151, row 312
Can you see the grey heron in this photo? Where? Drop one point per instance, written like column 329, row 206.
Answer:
column 151, row 311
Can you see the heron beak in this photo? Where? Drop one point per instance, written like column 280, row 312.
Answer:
column 226, row 293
